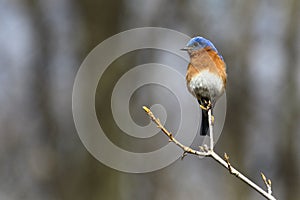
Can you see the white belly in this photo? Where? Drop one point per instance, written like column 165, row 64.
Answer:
column 206, row 84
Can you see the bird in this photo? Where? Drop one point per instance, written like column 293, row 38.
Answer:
column 206, row 76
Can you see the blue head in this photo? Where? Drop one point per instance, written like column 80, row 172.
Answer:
column 198, row 43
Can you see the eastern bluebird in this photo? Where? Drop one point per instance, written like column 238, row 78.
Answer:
column 206, row 76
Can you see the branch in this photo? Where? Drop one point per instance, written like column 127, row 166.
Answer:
column 209, row 152
column 211, row 136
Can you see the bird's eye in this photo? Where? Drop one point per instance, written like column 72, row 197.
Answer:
column 196, row 44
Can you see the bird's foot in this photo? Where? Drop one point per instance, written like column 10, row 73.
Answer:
column 207, row 105
column 203, row 107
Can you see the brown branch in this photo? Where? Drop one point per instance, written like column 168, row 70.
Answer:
column 209, row 152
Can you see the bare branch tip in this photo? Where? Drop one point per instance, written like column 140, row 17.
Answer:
column 226, row 157
column 269, row 182
column 183, row 155
column 147, row 110
column 263, row 177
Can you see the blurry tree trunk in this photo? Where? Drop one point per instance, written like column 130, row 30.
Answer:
column 290, row 114
column 40, row 99
column 89, row 179
column 100, row 20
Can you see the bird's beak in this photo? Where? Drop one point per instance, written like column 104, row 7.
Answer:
column 185, row 49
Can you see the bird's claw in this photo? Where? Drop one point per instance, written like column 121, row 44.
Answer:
column 203, row 107
column 207, row 105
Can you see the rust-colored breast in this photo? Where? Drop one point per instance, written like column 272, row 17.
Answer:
column 207, row 59
column 191, row 71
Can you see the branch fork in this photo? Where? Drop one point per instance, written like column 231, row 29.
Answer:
column 209, row 152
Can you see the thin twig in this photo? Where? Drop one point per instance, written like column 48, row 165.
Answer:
column 209, row 152
column 171, row 138
column 267, row 182
column 211, row 132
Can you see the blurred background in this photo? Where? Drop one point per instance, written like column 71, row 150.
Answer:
column 43, row 44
